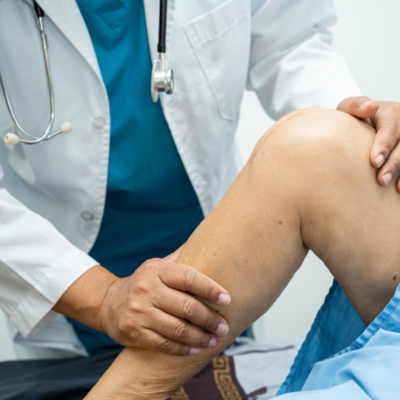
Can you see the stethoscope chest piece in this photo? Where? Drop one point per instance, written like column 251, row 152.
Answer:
column 162, row 80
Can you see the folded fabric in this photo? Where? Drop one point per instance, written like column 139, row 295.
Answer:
column 365, row 369
column 246, row 370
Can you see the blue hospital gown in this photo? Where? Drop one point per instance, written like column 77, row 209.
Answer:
column 342, row 359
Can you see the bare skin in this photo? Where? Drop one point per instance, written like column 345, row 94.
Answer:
column 149, row 307
column 309, row 184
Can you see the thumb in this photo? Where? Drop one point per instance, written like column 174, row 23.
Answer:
column 174, row 256
column 359, row 107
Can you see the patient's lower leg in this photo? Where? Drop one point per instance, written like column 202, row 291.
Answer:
column 309, row 183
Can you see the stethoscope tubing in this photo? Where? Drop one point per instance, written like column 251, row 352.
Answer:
column 162, row 80
column 46, row 135
column 162, row 30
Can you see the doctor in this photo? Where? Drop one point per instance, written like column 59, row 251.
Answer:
column 89, row 220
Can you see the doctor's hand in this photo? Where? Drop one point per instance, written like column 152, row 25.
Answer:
column 384, row 116
column 155, row 309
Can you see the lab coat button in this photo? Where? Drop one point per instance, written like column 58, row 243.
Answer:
column 99, row 123
column 87, row 216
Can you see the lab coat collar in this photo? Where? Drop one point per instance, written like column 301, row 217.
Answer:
column 67, row 17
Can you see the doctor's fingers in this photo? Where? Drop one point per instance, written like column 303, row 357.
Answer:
column 360, row 107
column 385, row 117
column 187, row 307
column 386, row 120
column 179, row 330
column 391, row 169
column 385, row 148
column 153, row 341
column 187, row 279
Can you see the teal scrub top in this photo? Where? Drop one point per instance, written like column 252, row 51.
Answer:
column 151, row 207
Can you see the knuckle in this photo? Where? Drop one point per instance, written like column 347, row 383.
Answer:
column 124, row 326
column 142, row 287
column 391, row 130
column 147, row 264
column 209, row 290
column 204, row 340
column 211, row 320
column 181, row 331
column 189, row 307
column 189, row 277
column 135, row 307
column 163, row 346
column 151, row 264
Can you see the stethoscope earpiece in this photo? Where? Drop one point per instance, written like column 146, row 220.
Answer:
column 66, row 127
column 12, row 139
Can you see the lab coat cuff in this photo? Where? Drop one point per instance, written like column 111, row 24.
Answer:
column 34, row 311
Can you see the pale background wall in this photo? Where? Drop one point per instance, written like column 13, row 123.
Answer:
column 368, row 36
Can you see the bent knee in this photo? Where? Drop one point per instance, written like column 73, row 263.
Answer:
column 317, row 154
column 317, row 137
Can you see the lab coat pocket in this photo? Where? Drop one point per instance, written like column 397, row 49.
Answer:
column 221, row 40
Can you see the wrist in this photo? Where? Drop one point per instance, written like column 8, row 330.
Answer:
column 105, row 309
column 83, row 300
column 142, row 383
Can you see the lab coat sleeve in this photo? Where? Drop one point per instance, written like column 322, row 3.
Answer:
column 37, row 265
column 292, row 62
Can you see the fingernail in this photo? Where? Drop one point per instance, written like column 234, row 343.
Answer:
column 213, row 342
column 224, row 299
column 367, row 103
column 387, row 178
column 380, row 160
column 223, row 329
column 193, row 351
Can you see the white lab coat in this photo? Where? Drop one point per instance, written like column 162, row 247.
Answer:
column 52, row 195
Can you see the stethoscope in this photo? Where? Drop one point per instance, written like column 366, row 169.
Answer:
column 162, row 80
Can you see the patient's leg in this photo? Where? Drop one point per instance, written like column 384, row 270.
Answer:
column 308, row 184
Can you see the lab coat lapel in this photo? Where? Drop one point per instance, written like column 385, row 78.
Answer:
column 66, row 16
column 152, row 10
